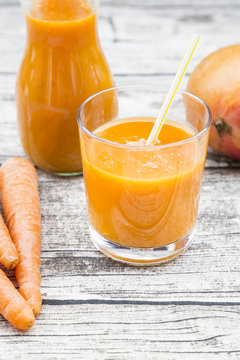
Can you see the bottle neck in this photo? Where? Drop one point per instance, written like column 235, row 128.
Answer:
column 66, row 34
column 59, row 10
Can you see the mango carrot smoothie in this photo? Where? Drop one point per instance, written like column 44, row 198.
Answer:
column 62, row 66
column 148, row 199
column 142, row 199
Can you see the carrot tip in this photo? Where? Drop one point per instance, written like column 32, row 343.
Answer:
column 30, row 324
column 13, row 264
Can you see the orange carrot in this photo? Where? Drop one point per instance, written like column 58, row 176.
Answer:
column 8, row 252
column 13, row 306
column 21, row 206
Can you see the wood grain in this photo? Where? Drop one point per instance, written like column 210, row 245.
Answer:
column 94, row 308
column 122, row 331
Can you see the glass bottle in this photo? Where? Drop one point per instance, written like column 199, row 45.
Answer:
column 62, row 66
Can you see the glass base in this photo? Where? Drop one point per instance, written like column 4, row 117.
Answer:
column 79, row 173
column 67, row 174
column 140, row 256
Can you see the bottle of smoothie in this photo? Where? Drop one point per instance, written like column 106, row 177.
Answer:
column 63, row 65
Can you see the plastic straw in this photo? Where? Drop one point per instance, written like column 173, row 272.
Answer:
column 173, row 89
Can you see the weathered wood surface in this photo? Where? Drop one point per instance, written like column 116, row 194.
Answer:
column 94, row 308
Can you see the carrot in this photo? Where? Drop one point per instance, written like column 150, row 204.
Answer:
column 13, row 306
column 21, row 206
column 8, row 252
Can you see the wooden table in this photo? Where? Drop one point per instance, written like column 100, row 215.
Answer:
column 94, row 308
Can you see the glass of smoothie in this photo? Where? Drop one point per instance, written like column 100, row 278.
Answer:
column 142, row 200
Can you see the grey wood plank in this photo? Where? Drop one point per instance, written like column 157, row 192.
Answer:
column 128, row 332
column 9, row 139
column 159, row 3
column 124, row 37
column 73, row 269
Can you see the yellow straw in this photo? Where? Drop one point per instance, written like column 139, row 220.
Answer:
column 173, row 89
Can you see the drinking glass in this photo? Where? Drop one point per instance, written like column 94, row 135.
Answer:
column 143, row 200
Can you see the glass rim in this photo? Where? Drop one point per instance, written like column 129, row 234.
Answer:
column 144, row 147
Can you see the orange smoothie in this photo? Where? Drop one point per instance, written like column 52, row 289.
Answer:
column 62, row 66
column 142, row 196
